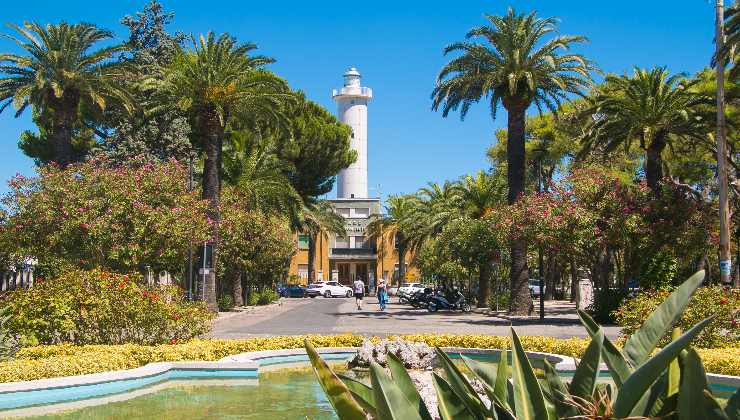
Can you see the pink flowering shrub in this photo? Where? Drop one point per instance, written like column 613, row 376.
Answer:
column 89, row 215
column 97, row 307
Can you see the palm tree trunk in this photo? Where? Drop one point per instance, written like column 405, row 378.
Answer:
column 64, row 111
column 654, row 163
column 237, row 289
column 573, row 280
column 520, row 302
column 401, row 263
column 484, row 284
column 311, row 256
column 213, row 134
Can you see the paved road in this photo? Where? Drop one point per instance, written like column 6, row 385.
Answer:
column 339, row 315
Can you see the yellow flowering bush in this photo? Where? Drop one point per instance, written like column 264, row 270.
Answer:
column 65, row 359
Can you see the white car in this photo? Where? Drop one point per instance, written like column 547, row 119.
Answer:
column 408, row 289
column 534, row 287
column 328, row 289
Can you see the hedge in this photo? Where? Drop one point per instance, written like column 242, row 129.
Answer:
column 66, row 360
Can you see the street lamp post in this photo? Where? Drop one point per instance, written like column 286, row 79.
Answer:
column 725, row 261
column 539, row 251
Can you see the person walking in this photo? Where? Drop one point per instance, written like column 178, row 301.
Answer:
column 382, row 295
column 359, row 290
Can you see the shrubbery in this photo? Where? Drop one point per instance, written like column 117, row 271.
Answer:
column 723, row 303
column 262, row 297
column 96, row 307
column 605, row 303
column 66, row 359
column 88, row 215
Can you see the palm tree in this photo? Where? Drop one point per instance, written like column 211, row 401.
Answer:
column 731, row 50
column 652, row 108
column 319, row 219
column 216, row 82
column 516, row 67
column 250, row 164
column 478, row 195
column 59, row 74
column 433, row 207
column 393, row 227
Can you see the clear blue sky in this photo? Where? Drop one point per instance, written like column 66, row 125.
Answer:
column 397, row 47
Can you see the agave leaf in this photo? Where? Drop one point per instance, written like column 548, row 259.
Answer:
column 451, row 407
column 693, row 401
column 732, row 409
column 559, row 392
column 640, row 344
column 619, row 367
column 637, row 384
column 654, row 401
column 336, row 392
column 584, row 380
column 529, row 401
column 501, row 388
column 403, row 380
column 461, row 386
column 362, row 393
column 390, row 402
column 712, row 407
column 674, row 370
column 485, row 373
column 487, row 377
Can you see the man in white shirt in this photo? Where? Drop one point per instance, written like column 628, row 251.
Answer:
column 359, row 290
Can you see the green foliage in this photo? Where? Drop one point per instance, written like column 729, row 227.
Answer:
column 95, row 307
column 225, row 303
column 156, row 132
column 605, row 303
column 262, row 297
column 721, row 303
column 520, row 65
column 61, row 77
column 8, row 341
column 317, row 146
column 267, row 296
column 651, row 108
column 639, row 376
column 659, row 272
column 90, row 216
column 252, row 242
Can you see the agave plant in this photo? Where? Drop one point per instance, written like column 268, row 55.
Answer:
column 668, row 383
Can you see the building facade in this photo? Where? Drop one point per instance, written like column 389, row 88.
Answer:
column 354, row 255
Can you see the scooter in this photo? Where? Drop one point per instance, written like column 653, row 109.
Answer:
column 450, row 301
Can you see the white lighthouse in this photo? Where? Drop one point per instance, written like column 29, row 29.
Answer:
column 352, row 102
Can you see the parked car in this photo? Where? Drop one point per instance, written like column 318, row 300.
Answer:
column 392, row 290
column 408, row 289
column 534, row 287
column 293, row 290
column 328, row 289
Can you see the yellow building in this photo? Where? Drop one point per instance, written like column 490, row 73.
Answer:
column 353, row 256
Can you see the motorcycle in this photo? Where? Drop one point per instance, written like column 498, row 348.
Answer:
column 421, row 299
column 454, row 300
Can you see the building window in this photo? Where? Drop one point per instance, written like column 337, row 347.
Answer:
column 344, row 212
column 341, row 242
column 303, row 271
column 362, row 212
column 302, row 241
column 359, row 241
